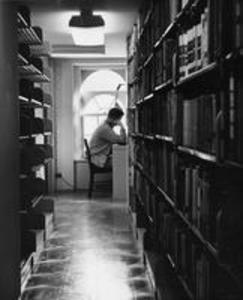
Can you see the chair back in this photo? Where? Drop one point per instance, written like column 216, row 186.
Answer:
column 87, row 151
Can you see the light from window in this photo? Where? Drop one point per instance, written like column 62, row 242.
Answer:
column 104, row 80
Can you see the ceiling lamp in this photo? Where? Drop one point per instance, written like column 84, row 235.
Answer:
column 87, row 29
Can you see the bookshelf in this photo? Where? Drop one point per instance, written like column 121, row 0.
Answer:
column 36, row 210
column 185, row 122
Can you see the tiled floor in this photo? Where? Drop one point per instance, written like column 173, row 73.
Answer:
column 91, row 256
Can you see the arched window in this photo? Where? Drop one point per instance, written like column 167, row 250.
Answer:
column 102, row 81
column 98, row 93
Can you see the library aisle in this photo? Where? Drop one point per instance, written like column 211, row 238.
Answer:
column 91, row 255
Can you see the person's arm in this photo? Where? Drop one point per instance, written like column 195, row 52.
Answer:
column 110, row 136
column 123, row 134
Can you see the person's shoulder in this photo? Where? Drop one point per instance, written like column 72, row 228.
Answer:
column 100, row 126
column 105, row 126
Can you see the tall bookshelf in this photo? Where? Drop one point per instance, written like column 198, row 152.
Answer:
column 35, row 141
column 186, row 156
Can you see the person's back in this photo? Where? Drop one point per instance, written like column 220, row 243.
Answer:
column 104, row 137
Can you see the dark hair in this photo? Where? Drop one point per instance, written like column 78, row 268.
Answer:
column 115, row 113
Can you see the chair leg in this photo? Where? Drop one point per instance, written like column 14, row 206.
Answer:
column 91, row 183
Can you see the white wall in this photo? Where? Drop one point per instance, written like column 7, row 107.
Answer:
column 63, row 78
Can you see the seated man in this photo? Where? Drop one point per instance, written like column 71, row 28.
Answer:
column 104, row 137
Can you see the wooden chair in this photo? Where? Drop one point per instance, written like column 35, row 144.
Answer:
column 93, row 169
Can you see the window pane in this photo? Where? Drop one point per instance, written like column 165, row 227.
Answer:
column 103, row 80
column 90, row 124
column 101, row 118
column 91, row 108
column 100, row 104
column 105, row 101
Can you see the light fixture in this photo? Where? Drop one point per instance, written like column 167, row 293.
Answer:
column 87, row 29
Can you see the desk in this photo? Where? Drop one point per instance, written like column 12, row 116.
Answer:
column 120, row 189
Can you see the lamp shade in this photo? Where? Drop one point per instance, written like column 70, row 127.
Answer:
column 87, row 29
column 86, row 19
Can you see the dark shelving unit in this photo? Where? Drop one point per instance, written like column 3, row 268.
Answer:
column 33, row 140
column 185, row 116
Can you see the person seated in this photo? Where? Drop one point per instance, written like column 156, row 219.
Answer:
column 104, row 137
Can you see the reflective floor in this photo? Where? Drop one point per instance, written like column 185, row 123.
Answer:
column 92, row 255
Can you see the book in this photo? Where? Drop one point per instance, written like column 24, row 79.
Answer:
column 204, row 28
column 184, row 3
column 199, row 279
column 190, row 53
column 183, row 255
column 186, row 123
column 173, row 9
column 217, row 24
column 187, row 202
column 156, row 16
column 234, row 117
column 238, row 12
column 198, row 46
column 183, row 57
column 169, row 47
column 203, row 278
column 199, row 123
column 239, row 114
column 158, row 66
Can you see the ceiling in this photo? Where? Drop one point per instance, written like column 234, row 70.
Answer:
column 122, row 5
column 53, row 17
